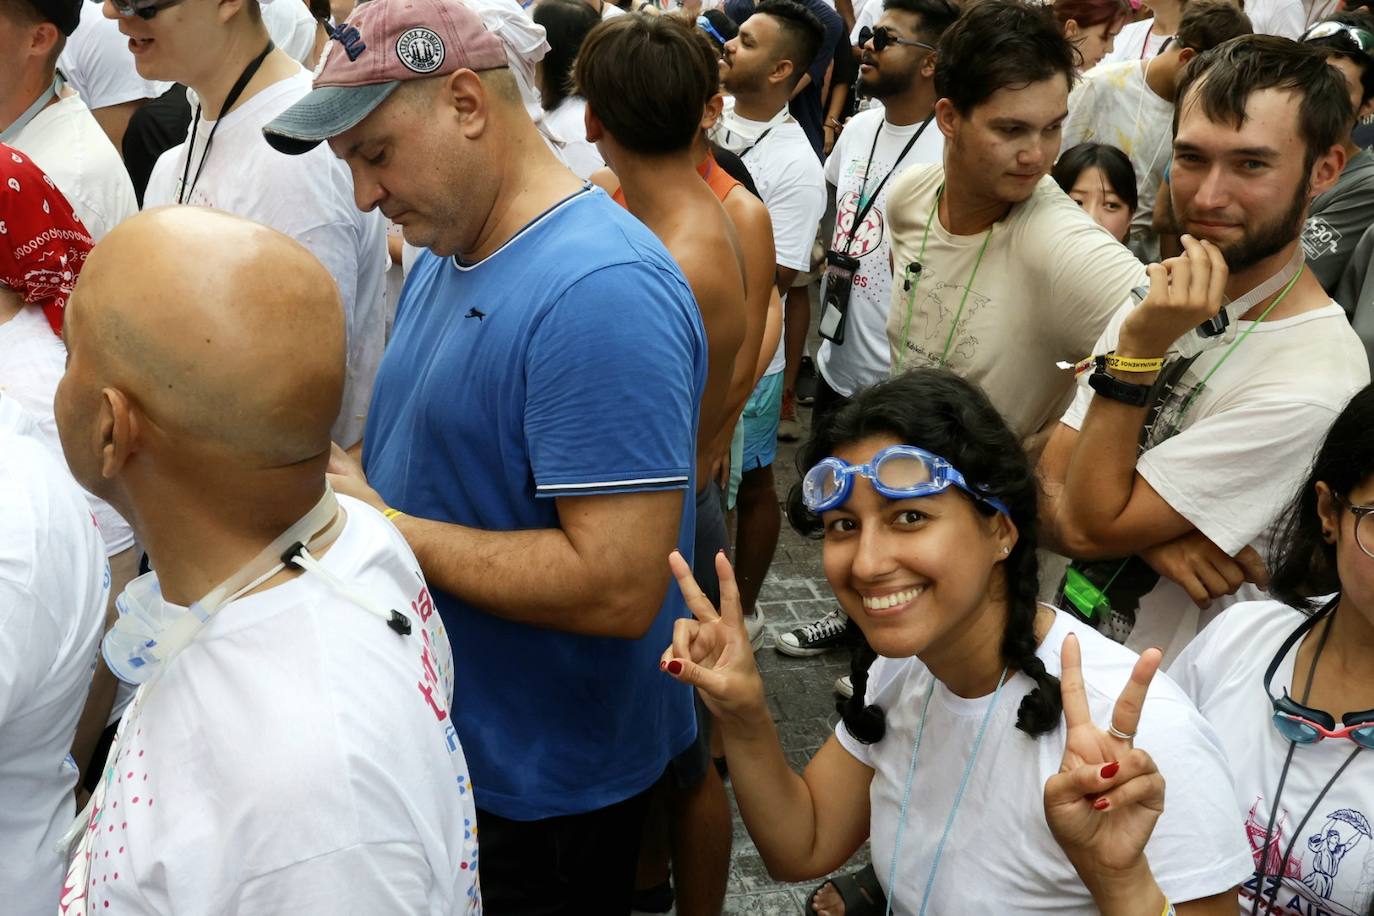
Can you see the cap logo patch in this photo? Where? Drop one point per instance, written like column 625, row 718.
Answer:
column 421, row 50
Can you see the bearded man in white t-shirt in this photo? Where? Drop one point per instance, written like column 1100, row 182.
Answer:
column 1180, row 450
column 290, row 746
column 214, row 48
column 898, row 69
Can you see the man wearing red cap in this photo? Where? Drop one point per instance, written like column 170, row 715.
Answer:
column 532, row 434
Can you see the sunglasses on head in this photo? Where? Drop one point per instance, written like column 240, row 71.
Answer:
column 1362, row 38
column 1303, row 724
column 142, row 10
column 881, row 37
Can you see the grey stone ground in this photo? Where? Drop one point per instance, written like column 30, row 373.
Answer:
column 799, row 693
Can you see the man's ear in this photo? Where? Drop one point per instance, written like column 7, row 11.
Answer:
column 595, row 129
column 119, row 431
column 711, row 114
column 946, row 118
column 782, row 72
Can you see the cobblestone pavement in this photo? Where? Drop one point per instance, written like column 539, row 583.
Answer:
column 799, row 693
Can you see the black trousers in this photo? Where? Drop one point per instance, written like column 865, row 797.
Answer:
column 574, row 864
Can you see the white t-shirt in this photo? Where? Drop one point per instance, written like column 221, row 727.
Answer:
column 308, row 197
column 1287, row 18
column 291, row 26
column 1000, row 856
column 1113, row 105
column 99, row 66
column 790, row 181
column 32, row 361
column 1244, row 448
column 1331, row 867
column 53, row 586
column 865, row 16
column 1046, row 287
column 297, row 756
column 65, row 141
column 1136, row 42
column 864, row 358
column 610, row 10
column 568, row 122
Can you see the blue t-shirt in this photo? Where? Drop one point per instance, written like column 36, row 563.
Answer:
column 569, row 362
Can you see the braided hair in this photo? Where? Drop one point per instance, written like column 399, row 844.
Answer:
column 938, row 411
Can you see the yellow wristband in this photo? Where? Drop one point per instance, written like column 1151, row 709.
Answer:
column 391, row 513
column 1168, row 908
column 1127, row 364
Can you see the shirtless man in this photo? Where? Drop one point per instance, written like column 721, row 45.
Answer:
column 199, row 404
column 647, row 142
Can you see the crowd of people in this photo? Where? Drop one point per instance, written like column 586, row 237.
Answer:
column 389, row 405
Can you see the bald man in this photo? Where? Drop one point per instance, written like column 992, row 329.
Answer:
column 535, row 421
column 289, row 747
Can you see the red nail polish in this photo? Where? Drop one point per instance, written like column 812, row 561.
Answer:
column 1101, row 804
column 675, row 667
column 662, row 665
column 1110, row 769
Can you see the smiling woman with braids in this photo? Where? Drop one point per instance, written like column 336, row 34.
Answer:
column 927, row 504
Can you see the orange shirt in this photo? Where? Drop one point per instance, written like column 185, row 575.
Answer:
column 721, row 181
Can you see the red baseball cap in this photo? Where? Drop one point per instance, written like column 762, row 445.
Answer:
column 382, row 44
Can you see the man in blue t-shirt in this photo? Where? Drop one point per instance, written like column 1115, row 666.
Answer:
column 532, row 434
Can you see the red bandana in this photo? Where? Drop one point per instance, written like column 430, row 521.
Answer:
column 42, row 243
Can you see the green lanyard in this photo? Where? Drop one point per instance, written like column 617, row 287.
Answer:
column 911, row 297
column 1188, row 402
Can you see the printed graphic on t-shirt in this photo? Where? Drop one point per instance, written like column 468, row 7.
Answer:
column 1319, row 238
column 943, row 333
column 1317, row 867
column 867, row 238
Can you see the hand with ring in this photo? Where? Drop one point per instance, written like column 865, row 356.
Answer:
column 1103, row 803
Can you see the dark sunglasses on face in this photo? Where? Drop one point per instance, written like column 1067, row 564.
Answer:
column 882, row 37
column 145, row 11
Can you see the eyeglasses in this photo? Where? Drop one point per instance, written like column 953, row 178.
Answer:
column 1363, row 38
column 705, row 25
column 1303, row 724
column 145, row 11
column 897, row 472
column 882, row 37
column 1364, row 525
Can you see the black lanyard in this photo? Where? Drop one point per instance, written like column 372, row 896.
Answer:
column 184, row 191
column 763, row 136
column 868, row 205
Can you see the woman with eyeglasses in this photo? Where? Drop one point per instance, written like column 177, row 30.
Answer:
column 928, row 507
column 1289, row 686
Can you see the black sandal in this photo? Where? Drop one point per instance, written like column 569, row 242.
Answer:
column 860, row 891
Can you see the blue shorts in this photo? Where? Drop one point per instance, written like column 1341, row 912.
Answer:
column 760, row 422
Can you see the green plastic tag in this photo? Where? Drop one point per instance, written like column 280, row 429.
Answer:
column 1088, row 598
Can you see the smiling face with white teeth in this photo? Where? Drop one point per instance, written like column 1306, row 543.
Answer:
column 919, row 576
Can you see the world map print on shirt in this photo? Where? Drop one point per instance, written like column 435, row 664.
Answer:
column 1304, row 882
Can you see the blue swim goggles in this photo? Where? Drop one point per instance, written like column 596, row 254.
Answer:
column 897, row 472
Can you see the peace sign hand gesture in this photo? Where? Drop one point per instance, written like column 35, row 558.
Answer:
column 1103, row 803
column 712, row 651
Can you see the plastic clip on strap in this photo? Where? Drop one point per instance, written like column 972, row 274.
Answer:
column 297, row 555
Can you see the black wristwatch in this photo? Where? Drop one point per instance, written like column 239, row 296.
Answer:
column 1109, row 386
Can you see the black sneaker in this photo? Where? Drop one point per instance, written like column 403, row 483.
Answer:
column 806, row 382
column 818, row 637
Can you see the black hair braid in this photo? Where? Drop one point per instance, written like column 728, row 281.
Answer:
column 866, row 723
column 1040, row 709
